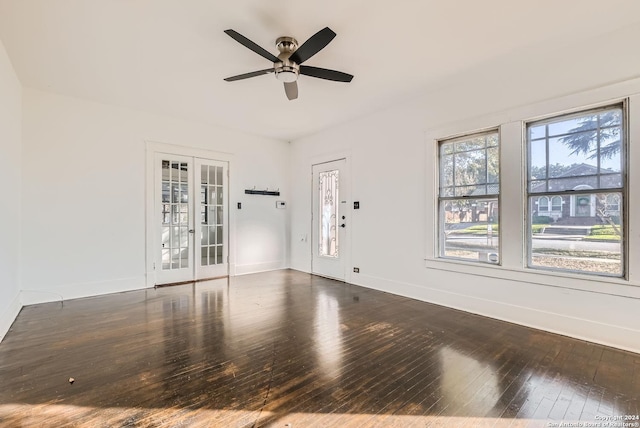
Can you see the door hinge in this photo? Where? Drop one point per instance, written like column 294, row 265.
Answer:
column 154, row 266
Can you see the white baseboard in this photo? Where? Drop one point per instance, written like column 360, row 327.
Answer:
column 589, row 330
column 77, row 291
column 8, row 317
column 259, row 267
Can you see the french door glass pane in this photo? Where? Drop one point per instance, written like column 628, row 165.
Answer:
column 166, row 259
column 212, row 255
column 204, row 259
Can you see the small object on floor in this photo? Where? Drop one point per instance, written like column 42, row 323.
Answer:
column 71, row 380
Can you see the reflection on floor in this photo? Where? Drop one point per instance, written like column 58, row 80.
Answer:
column 284, row 349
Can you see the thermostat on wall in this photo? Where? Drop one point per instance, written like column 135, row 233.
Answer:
column 280, row 204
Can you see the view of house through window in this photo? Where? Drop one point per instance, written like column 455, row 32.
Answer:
column 576, row 191
column 468, row 198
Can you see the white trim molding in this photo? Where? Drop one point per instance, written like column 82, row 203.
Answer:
column 9, row 316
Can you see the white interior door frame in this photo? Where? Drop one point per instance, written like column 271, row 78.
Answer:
column 153, row 148
column 346, row 246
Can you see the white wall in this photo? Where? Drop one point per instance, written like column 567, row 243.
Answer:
column 10, row 170
column 84, row 195
column 393, row 176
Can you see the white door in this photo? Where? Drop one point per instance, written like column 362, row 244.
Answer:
column 329, row 240
column 212, row 220
column 191, row 215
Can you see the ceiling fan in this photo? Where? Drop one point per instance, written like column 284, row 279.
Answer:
column 288, row 65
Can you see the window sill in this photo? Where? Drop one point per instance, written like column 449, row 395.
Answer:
column 574, row 281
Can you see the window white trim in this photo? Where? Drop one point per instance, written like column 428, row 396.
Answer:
column 511, row 123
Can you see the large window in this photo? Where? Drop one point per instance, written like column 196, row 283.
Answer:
column 576, row 190
column 468, row 197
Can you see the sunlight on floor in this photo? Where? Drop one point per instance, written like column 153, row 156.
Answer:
column 55, row 415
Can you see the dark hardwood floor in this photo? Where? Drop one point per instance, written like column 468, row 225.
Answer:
column 286, row 349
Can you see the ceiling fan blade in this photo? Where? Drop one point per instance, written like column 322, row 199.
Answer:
column 291, row 89
column 248, row 75
column 251, row 45
column 313, row 45
column 323, row 73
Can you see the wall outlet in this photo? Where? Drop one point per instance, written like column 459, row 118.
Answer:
column 356, row 270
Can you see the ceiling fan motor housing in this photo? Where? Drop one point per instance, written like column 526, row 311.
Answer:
column 286, row 70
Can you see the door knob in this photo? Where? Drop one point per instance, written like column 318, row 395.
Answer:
column 192, row 231
column 343, row 225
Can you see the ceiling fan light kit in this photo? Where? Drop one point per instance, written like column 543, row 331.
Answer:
column 287, row 65
column 286, row 70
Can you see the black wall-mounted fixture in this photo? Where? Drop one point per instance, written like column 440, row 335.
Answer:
column 262, row 192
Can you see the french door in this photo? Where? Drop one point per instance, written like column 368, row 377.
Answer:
column 191, row 216
column 329, row 238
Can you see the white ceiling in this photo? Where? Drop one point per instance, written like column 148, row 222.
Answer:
column 170, row 56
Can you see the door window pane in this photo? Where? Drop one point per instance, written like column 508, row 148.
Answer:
column 212, row 175
column 212, row 255
column 219, row 202
column 184, row 258
column 184, row 237
column 212, row 235
column 212, row 214
column 219, row 219
column 203, row 174
column 175, row 258
column 204, row 259
column 166, row 259
column 328, row 205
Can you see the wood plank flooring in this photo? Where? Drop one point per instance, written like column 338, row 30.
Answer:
column 287, row 349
